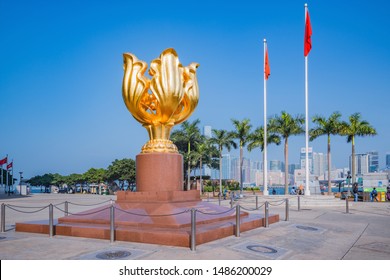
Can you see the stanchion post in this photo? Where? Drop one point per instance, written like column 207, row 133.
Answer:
column 257, row 202
column 266, row 209
column 112, row 223
column 51, row 229
column 299, row 203
column 231, row 202
column 287, row 210
column 238, row 220
column 2, row 217
column 219, row 199
column 193, row 229
column 66, row 208
column 346, row 205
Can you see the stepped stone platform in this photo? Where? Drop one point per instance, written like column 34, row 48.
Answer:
column 153, row 217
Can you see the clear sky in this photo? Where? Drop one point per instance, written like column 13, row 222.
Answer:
column 61, row 72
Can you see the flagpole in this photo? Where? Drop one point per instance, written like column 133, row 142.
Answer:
column 265, row 173
column 307, row 190
column 12, row 174
column 6, row 180
column 1, row 168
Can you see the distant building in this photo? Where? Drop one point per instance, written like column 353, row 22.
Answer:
column 275, row 165
column 207, row 131
column 302, row 157
column 292, row 167
column 361, row 164
column 373, row 161
column 388, row 160
column 206, row 169
column 226, row 166
column 319, row 164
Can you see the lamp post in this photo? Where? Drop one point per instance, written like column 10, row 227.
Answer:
column 20, row 182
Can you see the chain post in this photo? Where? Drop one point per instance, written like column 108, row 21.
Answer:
column 193, row 229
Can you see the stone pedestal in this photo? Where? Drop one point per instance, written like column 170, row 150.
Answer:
column 159, row 212
column 159, row 172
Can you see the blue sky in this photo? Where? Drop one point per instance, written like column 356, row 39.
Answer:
column 61, row 72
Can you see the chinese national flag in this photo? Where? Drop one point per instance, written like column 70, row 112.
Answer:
column 3, row 161
column 308, row 32
column 267, row 70
column 9, row 166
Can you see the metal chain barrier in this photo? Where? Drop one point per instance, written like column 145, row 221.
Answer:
column 113, row 209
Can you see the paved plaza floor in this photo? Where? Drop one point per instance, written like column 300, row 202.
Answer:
column 317, row 231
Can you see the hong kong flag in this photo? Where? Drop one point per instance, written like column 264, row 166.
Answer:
column 3, row 161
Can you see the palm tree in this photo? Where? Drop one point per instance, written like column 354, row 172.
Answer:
column 204, row 154
column 256, row 140
column 223, row 139
column 188, row 135
column 285, row 126
column 242, row 133
column 356, row 127
column 330, row 126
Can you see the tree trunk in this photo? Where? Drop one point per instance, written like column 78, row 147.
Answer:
column 286, row 166
column 220, row 170
column 200, row 177
column 353, row 171
column 241, row 163
column 189, row 168
column 329, row 166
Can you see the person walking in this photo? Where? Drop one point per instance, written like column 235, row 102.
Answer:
column 355, row 191
column 374, row 193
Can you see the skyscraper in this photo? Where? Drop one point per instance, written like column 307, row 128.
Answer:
column 373, row 160
column 226, row 166
column 207, row 133
column 319, row 164
column 388, row 160
column 303, row 159
column 361, row 163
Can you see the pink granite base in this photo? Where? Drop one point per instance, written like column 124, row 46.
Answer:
column 158, row 213
column 165, row 223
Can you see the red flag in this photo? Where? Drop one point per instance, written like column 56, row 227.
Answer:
column 9, row 166
column 3, row 161
column 267, row 70
column 308, row 33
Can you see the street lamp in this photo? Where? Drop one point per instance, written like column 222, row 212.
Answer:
column 20, row 182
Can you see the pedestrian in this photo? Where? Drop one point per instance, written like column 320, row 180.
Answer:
column 273, row 191
column 293, row 191
column 374, row 193
column 355, row 190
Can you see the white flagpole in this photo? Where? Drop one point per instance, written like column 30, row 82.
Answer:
column 1, row 168
column 6, row 180
column 307, row 189
column 265, row 161
column 12, row 174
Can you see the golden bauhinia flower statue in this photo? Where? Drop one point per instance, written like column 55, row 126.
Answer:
column 166, row 99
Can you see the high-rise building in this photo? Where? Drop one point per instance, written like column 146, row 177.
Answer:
column 373, row 161
column 275, row 165
column 302, row 157
column 388, row 160
column 319, row 164
column 361, row 164
column 292, row 167
column 206, row 169
column 207, row 131
column 226, row 167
